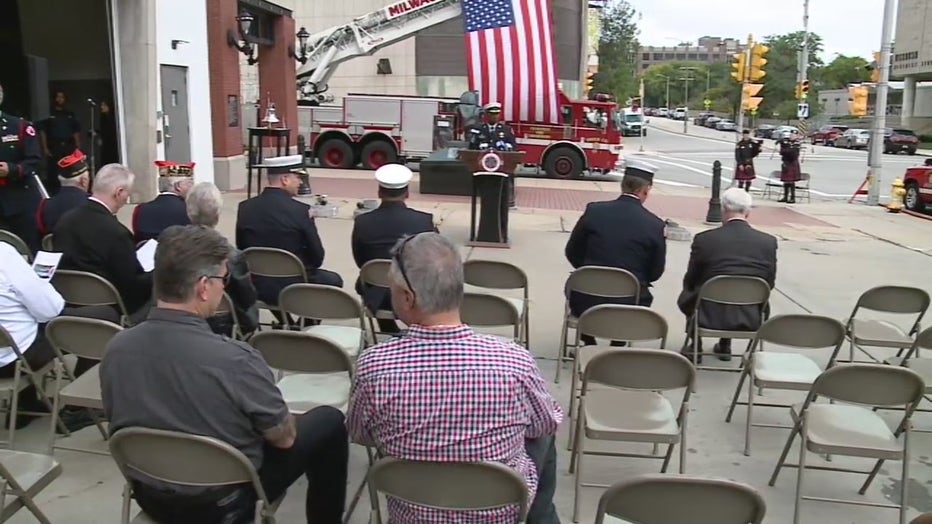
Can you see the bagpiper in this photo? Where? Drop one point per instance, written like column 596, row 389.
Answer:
column 790, row 171
column 745, row 152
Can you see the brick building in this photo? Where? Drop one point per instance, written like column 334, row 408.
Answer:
column 709, row 50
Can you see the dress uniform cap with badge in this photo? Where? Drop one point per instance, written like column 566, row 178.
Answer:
column 640, row 169
column 282, row 165
column 73, row 165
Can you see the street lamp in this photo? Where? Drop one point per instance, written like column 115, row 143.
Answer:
column 668, row 89
column 301, row 57
column 244, row 21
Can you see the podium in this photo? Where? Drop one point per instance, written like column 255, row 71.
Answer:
column 490, row 186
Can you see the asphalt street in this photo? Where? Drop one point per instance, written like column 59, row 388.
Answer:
column 686, row 160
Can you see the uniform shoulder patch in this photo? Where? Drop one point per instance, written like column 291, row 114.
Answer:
column 31, row 131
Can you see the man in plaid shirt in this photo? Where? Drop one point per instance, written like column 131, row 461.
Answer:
column 443, row 393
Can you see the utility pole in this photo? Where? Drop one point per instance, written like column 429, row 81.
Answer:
column 667, row 98
column 875, row 161
column 686, row 80
column 708, row 80
column 804, row 64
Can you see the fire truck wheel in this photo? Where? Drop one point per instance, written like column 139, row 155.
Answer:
column 378, row 153
column 913, row 199
column 563, row 162
column 336, row 154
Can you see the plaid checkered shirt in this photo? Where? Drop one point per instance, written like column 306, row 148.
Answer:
column 447, row 394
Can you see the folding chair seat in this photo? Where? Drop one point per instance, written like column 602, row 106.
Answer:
column 496, row 275
column 784, row 371
column 891, row 300
column 597, row 281
column 847, row 427
column 315, row 301
column 81, row 288
column 24, row 476
column 485, row 310
column 273, row 263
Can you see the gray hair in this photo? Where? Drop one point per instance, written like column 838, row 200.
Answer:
column 434, row 269
column 73, row 181
column 112, row 177
column 203, row 204
column 167, row 183
column 736, row 200
column 185, row 255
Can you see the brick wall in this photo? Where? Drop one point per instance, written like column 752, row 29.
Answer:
column 224, row 77
column 277, row 75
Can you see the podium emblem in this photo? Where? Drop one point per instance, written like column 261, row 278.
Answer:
column 491, row 162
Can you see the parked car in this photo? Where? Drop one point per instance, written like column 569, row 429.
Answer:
column 854, row 139
column 726, row 125
column 828, row 134
column 680, row 113
column 918, row 182
column 663, row 111
column 764, row 131
column 783, row 132
column 896, row 140
column 711, row 121
column 701, row 118
column 631, row 123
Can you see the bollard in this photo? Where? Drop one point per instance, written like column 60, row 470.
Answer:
column 897, row 192
column 301, row 146
column 714, row 215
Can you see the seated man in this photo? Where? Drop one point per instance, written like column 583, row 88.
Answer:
column 92, row 239
column 466, row 397
column 376, row 232
column 168, row 208
column 75, row 180
column 735, row 248
column 275, row 219
column 171, row 372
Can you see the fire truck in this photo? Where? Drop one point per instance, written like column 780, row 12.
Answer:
column 372, row 130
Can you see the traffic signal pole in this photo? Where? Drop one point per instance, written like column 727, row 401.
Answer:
column 744, row 83
column 875, row 160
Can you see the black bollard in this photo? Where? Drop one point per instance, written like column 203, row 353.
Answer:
column 714, row 215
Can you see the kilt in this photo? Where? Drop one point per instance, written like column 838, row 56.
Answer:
column 745, row 172
column 790, row 172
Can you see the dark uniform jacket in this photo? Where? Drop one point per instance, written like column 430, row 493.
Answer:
column 274, row 219
column 153, row 217
column 52, row 209
column 735, row 248
column 496, row 136
column 60, row 128
column 618, row 233
column 242, row 294
column 19, row 197
column 374, row 235
column 91, row 239
column 745, row 151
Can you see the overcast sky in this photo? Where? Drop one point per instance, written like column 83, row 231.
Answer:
column 850, row 27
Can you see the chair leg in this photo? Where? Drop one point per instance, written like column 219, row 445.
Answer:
column 127, row 501
column 576, row 430
column 666, row 458
column 578, row 455
column 904, row 479
column 574, row 383
column 734, row 400
column 561, row 351
column 527, row 328
column 786, row 451
column 747, row 422
column 800, row 473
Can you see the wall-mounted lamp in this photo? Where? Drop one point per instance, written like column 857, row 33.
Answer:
column 244, row 21
column 302, row 36
column 176, row 43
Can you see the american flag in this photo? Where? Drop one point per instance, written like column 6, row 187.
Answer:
column 511, row 58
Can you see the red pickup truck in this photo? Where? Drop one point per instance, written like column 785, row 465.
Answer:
column 826, row 135
column 918, row 182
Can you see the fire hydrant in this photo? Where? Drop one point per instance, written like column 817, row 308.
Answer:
column 897, row 192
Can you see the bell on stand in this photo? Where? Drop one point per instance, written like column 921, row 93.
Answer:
column 270, row 116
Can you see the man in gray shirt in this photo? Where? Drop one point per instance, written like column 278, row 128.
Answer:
column 172, row 373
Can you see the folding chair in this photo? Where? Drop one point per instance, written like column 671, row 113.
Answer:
column 273, row 263
column 484, row 310
column 621, row 401
column 47, row 244
column 895, row 300
column 226, row 308
column 922, row 366
column 727, row 290
column 495, row 275
column 80, row 288
column 853, row 430
column 668, row 499
column 597, row 281
column 454, row 486
column 18, row 243
column 318, row 302
column 784, row 371
column 85, row 338
column 613, row 322
column 375, row 273
column 15, row 385
column 189, row 460
column 24, row 476
column 803, row 187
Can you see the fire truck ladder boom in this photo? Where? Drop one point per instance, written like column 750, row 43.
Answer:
column 367, row 34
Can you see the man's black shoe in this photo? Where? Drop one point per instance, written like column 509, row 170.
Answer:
column 724, row 354
column 76, row 419
column 618, row 343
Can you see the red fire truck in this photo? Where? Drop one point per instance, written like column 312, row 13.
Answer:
column 371, row 130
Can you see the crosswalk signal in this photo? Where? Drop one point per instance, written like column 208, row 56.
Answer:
column 749, row 96
column 739, row 67
column 857, row 100
column 758, row 62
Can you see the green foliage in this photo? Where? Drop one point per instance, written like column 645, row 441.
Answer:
column 843, row 70
column 709, row 81
column 782, row 65
column 618, row 47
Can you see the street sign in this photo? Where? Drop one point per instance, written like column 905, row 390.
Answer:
column 802, row 110
column 707, row 103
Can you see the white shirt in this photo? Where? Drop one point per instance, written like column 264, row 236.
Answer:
column 25, row 301
column 92, row 199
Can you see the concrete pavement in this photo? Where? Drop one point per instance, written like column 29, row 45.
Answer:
column 826, row 259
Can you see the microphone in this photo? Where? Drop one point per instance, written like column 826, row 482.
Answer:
column 91, row 102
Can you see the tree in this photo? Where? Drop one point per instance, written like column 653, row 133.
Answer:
column 843, row 70
column 782, row 66
column 710, row 81
column 618, row 48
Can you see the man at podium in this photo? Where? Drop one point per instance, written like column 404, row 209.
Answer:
column 495, row 134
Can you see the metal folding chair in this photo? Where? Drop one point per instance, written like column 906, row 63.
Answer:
column 15, row 385
column 375, row 273
column 24, row 476
column 16, row 242
column 891, row 300
column 319, row 302
column 498, row 276
column 485, row 310
column 273, row 263
column 81, row 288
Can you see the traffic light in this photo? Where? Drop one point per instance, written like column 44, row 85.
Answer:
column 590, row 81
column 875, row 68
column 758, row 62
column 749, row 96
column 740, row 67
column 857, row 100
column 804, row 89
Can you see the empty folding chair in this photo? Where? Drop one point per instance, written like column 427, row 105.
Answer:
column 597, row 281
column 10, row 388
column 273, row 263
column 454, row 486
column 80, row 288
column 375, row 273
column 723, row 292
column 848, row 427
column 622, row 400
column 484, row 310
column 921, row 365
column 318, row 302
column 669, row 499
column 188, row 460
column 25, row 475
column 16, row 242
column 495, row 275
column 897, row 300
column 784, row 371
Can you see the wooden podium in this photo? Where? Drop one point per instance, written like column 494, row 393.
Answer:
column 490, row 185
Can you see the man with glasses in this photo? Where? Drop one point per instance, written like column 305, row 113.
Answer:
column 275, row 219
column 464, row 397
column 172, row 373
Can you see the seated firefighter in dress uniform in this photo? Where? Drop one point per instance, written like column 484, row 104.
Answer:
column 275, row 219
column 168, row 208
column 75, row 179
column 376, row 232
column 620, row 233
